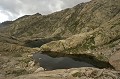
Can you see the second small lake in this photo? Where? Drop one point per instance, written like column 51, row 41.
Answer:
column 51, row 63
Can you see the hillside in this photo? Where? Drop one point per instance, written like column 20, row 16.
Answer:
column 89, row 30
column 81, row 18
column 95, row 23
column 6, row 23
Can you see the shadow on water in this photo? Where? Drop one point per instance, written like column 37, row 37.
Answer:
column 40, row 42
column 81, row 58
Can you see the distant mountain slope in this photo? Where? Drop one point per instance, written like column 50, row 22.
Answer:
column 81, row 18
column 6, row 23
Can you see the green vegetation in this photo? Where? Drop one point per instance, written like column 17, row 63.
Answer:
column 25, row 60
column 77, row 74
column 101, row 57
column 89, row 44
column 16, row 54
column 17, row 72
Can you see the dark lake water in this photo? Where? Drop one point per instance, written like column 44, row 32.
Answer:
column 51, row 63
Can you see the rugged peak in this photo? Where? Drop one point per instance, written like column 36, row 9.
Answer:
column 6, row 23
column 37, row 14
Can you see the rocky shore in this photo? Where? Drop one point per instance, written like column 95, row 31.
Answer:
column 88, row 32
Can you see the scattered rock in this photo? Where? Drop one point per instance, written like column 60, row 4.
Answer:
column 31, row 63
column 30, row 55
column 39, row 70
column 74, row 73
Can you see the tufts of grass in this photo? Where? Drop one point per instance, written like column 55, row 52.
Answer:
column 77, row 74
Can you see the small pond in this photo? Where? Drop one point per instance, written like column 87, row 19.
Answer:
column 51, row 61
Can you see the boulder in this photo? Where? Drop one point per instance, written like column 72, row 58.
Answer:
column 71, row 42
column 115, row 60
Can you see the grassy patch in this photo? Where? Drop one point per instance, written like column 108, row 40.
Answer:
column 77, row 74
column 25, row 60
column 89, row 44
column 16, row 55
column 17, row 72
column 101, row 58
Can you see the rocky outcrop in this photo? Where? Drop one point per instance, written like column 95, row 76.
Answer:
column 81, row 73
column 79, row 43
column 106, row 33
column 71, row 42
column 10, row 45
column 115, row 60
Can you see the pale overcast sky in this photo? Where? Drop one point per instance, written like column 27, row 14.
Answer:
column 12, row 9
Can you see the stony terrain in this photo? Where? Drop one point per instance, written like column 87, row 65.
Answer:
column 80, row 73
column 89, row 31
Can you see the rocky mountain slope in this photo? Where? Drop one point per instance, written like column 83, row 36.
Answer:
column 84, row 17
column 6, row 23
column 91, row 29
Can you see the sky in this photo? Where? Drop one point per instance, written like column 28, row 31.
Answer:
column 12, row 9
